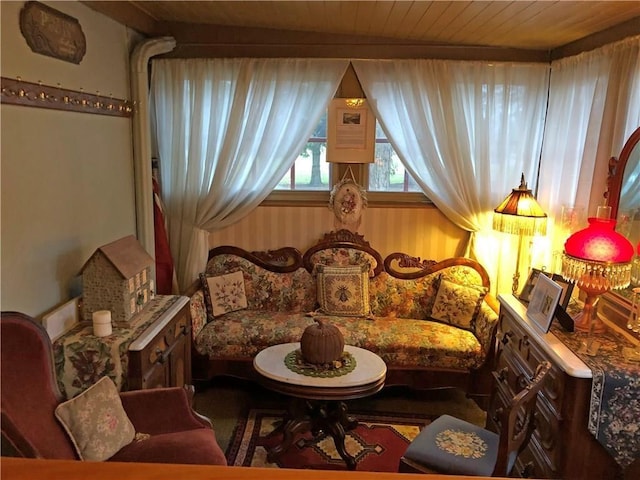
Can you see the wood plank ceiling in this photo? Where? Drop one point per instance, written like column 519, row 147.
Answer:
column 521, row 30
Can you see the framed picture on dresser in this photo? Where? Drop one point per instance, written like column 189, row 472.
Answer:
column 527, row 290
column 544, row 299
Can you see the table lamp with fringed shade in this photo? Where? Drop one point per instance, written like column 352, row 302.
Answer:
column 520, row 214
column 597, row 259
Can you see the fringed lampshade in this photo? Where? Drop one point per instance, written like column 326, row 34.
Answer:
column 520, row 214
column 597, row 259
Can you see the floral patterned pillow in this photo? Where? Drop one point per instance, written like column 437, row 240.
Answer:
column 223, row 293
column 457, row 305
column 96, row 421
column 344, row 290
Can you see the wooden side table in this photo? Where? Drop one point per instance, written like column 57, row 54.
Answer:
column 155, row 351
column 318, row 404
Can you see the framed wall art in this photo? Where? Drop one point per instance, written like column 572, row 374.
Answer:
column 544, row 299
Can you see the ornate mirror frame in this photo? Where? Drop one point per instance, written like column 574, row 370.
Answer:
column 617, row 304
column 616, row 172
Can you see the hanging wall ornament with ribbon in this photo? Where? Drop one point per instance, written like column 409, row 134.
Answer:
column 347, row 201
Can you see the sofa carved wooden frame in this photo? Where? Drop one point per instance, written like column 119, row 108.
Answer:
column 477, row 383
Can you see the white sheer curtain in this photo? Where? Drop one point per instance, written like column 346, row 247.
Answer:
column 227, row 132
column 466, row 131
column 594, row 106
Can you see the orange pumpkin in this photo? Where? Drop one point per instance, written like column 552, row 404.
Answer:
column 321, row 343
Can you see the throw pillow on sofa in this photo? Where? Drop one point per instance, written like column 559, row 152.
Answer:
column 223, row 293
column 344, row 290
column 96, row 421
column 457, row 305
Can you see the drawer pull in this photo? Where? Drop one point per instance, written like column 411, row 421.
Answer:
column 160, row 356
column 505, row 337
column 525, row 341
column 502, row 374
column 497, row 414
column 528, row 470
column 522, row 381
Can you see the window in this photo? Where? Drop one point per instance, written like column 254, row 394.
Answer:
column 387, row 173
column 312, row 177
column 310, row 170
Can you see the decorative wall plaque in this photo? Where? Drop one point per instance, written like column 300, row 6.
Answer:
column 51, row 32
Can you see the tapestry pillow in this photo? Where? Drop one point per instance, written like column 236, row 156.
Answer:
column 344, row 290
column 96, row 421
column 223, row 293
column 457, row 305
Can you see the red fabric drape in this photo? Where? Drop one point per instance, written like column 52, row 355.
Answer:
column 164, row 261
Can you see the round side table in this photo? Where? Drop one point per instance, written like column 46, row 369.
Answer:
column 318, row 404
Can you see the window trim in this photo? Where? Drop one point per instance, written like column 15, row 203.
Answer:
column 310, row 198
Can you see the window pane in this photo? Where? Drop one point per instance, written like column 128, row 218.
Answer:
column 387, row 173
column 311, row 170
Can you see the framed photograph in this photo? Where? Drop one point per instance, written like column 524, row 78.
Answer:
column 527, row 290
column 567, row 289
column 544, row 300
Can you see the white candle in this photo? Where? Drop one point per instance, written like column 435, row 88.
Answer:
column 102, row 323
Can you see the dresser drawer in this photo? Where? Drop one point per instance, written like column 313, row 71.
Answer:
column 547, row 437
column 531, row 463
column 162, row 357
column 524, row 357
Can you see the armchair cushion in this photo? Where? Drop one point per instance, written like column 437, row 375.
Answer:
column 148, row 410
column 96, row 421
column 189, row 447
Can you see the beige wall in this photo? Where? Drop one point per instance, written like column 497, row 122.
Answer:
column 67, row 178
column 422, row 232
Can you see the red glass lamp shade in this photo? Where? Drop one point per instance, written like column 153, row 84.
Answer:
column 597, row 259
column 599, row 242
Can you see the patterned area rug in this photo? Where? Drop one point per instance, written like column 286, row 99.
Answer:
column 377, row 443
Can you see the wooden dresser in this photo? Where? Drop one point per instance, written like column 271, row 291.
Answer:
column 161, row 355
column 561, row 446
column 154, row 351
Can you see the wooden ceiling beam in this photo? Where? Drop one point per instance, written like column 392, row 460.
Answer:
column 127, row 14
column 616, row 33
column 201, row 41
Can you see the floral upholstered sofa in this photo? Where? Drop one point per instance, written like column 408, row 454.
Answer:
column 433, row 323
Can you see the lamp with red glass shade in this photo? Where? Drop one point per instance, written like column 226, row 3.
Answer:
column 597, row 259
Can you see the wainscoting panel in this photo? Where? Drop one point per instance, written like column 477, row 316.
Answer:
column 422, row 232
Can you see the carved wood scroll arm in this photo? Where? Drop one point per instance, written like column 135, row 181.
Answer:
column 282, row 260
column 407, row 261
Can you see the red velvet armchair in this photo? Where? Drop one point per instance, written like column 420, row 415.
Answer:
column 30, row 395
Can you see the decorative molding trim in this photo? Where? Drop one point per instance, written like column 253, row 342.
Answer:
column 28, row 94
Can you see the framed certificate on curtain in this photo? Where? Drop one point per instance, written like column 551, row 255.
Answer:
column 351, row 131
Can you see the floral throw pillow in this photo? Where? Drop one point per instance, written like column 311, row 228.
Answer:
column 457, row 305
column 96, row 421
column 344, row 290
column 223, row 293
